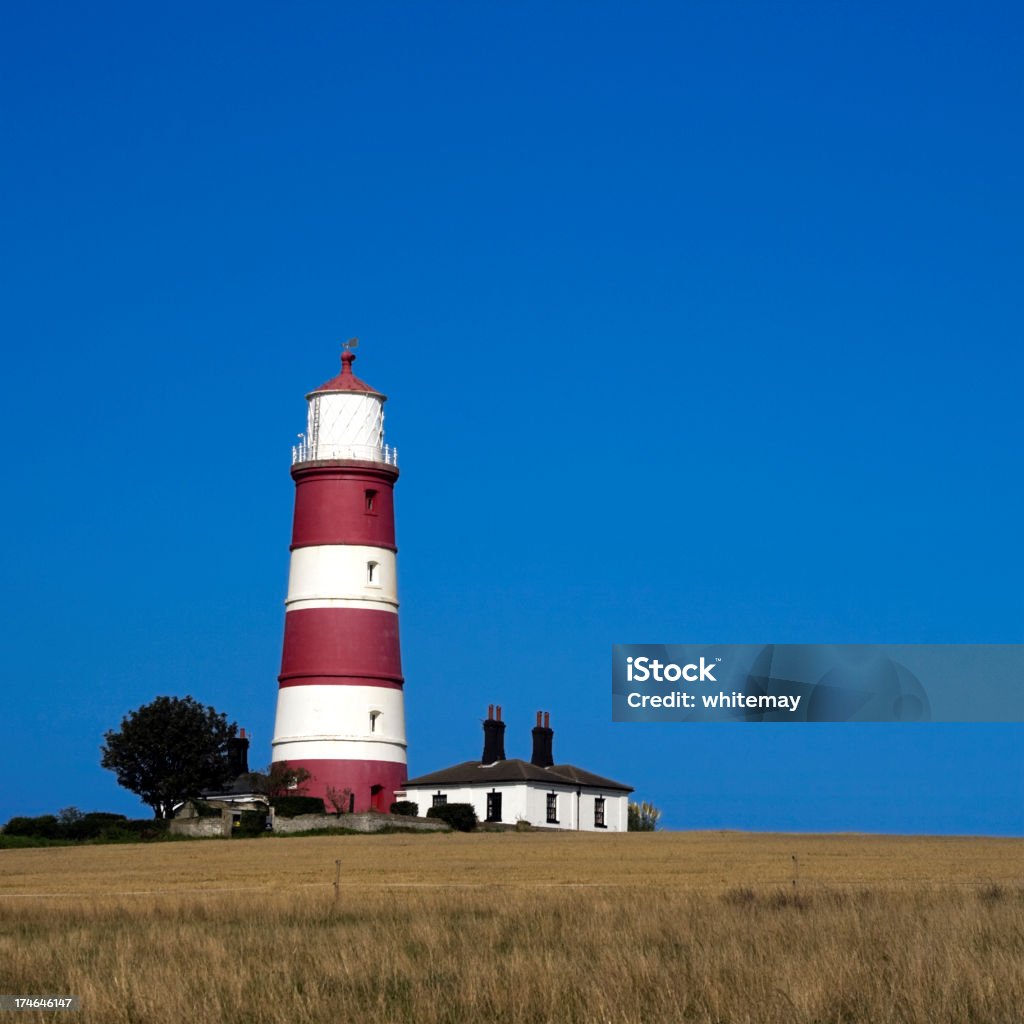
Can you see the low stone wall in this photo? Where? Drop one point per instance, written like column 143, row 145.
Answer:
column 209, row 828
column 201, row 828
column 356, row 823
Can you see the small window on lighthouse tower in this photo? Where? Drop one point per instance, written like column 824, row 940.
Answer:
column 373, row 574
column 371, row 503
column 374, row 715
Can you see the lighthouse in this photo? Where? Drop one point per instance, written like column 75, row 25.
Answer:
column 340, row 712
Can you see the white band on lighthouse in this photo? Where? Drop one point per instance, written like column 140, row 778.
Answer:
column 342, row 576
column 352, row 722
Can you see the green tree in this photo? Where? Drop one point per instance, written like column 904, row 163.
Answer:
column 169, row 750
column 643, row 817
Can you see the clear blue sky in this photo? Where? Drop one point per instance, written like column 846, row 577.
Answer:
column 699, row 323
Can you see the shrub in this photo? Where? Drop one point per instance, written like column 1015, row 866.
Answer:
column 642, row 817
column 144, row 826
column 90, row 826
column 459, row 816
column 103, row 826
column 45, row 826
column 130, row 831
column 406, row 807
column 292, row 806
column 339, row 800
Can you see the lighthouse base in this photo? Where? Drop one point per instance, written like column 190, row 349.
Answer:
column 371, row 785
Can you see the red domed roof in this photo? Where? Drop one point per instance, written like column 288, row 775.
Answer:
column 346, row 380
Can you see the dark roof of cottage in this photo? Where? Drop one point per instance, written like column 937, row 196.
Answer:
column 242, row 785
column 514, row 769
column 584, row 778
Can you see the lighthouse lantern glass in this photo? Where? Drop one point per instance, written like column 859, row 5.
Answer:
column 345, row 425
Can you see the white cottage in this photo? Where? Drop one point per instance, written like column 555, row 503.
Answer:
column 538, row 791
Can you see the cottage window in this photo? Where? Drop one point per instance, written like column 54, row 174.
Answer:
column 552, row 808
column 599, row 812
column 440, row 799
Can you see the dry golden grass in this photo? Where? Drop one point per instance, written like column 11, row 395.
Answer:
column 522, row 928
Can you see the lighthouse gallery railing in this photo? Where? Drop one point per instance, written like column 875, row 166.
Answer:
column 307, row 452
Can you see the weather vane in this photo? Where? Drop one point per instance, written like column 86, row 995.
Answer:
column 351, row 343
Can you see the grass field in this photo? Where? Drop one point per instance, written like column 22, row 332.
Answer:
column 522, row 927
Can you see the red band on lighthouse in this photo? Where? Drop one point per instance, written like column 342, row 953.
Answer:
column 339, row 504
column 341, row 643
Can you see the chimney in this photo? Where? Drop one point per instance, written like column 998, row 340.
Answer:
column 494, row 736
column 238, row 755
column 542, row 736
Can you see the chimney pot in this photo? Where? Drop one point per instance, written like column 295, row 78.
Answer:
column 494, row 739
column 497, row 712
column 490, row 712
column 238, row 755
column 542, row 736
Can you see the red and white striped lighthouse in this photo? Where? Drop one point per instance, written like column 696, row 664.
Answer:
column 340, row 711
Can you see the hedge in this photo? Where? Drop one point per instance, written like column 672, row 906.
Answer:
column 102, row 826
column 92, row 825
column 46, row 826
column 293, row 806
